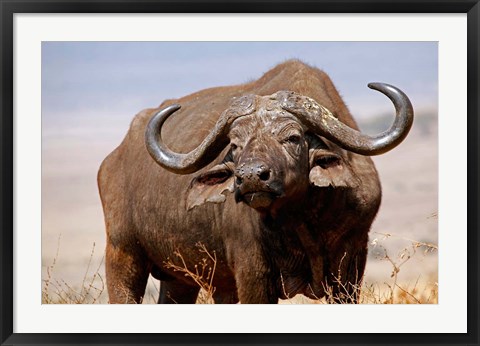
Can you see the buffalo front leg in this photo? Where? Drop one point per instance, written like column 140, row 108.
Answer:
column 127, row 273
column 255, row 286
column 176, row 292
column 225, row 297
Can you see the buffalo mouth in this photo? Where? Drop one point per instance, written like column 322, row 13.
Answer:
column 257, row 199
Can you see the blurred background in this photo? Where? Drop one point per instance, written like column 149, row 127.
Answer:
column 92, row 90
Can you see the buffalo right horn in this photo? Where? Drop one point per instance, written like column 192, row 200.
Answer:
column 207, row 151
column 178, row 163
column 321, row 121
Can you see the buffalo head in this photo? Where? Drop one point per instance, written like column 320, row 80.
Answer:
column 276, row 148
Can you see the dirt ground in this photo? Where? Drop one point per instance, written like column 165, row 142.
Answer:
column 73, row 227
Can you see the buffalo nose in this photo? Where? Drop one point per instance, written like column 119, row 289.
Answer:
column 253, row 173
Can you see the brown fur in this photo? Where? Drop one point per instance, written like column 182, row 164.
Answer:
column 317, row 233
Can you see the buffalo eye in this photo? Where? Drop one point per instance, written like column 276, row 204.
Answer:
column 234, row 146
column 234, row 150
column 294, row 139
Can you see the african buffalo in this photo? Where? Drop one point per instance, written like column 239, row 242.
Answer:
column 271, row 176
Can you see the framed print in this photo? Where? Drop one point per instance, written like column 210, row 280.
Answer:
column 234, row 157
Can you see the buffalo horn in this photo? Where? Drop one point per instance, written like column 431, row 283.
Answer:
column 191, row 162
column 321, row 121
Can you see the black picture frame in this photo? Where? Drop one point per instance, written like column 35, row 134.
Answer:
column 10, row 7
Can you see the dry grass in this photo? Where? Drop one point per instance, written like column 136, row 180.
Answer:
column 202, row 273
column 424, row 290
column 90, row 291
column 421, row 292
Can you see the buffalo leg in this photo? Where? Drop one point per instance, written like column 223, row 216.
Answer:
column 253, row 275
column 127, row 274
column 176, row 292
column 225, row 298
column 255, row 287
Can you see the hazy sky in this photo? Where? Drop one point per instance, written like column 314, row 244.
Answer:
column 97, row 87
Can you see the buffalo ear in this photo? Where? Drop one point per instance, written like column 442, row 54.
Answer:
column 210, row 186
column 330, row 169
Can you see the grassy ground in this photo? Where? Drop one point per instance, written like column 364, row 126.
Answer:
column 395, row 289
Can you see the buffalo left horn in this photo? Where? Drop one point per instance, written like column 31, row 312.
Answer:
column 191, row 162
column 321, row 121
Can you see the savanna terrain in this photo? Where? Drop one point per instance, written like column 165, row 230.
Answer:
column 402, row 265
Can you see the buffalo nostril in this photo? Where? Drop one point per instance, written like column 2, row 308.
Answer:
column 239, row 181
column 265, row 175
